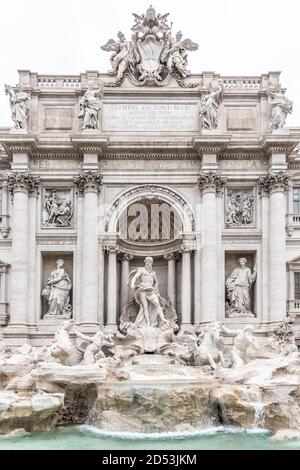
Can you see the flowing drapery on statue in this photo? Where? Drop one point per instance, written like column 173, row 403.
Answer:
column 147, row 308
column 57, row 292
column 238, row 286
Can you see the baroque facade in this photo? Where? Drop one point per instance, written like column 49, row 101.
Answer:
column 197, row 171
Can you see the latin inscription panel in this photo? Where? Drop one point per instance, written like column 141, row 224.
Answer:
column 150, row 117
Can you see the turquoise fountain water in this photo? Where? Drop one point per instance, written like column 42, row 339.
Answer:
column 91, row 438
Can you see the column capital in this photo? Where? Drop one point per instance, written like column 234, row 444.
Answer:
column 278, row 181
column 18, row 181
column 211, row 181
column 88, row 181
column 171, row 256
column 125, row 257
column 111, row 250
column 186, row 249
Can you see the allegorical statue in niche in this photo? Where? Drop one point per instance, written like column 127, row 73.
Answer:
column 145, row 285
column 282, row 106
column 90, row 105
column 120, row 58
column 57, row 213
column 57, row 292
column 19, row 106
column 147, row 308
column 238, row 285
column 209, row 106
column 239, row 208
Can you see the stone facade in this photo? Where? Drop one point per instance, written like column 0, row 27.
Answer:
column 146, row 142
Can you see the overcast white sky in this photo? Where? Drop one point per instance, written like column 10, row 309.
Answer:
column 235, row 37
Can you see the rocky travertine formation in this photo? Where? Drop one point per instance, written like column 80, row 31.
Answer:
column 256, row 384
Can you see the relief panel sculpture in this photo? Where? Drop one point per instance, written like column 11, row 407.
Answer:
column 239, row 207
column 57, row 208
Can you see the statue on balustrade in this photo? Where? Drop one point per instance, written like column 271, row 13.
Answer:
column 238, row 286
column 147, row 308
column 90, row 105
column 209, row 106
column 19, row 106
column 282, row 106
column 57, row 292
column 57, row 213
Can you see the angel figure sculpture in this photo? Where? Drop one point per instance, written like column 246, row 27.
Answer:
column 282, row 106
column 209, row 106
column 90, row 105
column 19, row 106
column 175, row 55
column 121, row 54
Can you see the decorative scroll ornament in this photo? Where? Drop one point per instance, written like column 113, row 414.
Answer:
column 22, row 181
column 88, row 180
column 212, row 179
column 152, row 56
column 274, row 180
column 18, row 101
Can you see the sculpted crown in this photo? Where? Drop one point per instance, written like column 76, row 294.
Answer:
column 211, row 179
column 88, row 180
column 273, row 180
column 22, row 181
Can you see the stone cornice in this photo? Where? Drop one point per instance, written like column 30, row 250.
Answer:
column 242, row 155
column 89, row 142
column 22, row 181
column 88, row 181
column 19, row 143
column 274, row 180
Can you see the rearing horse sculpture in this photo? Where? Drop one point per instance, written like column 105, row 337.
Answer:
column 209, row 351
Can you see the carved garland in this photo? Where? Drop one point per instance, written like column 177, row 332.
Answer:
column 153, row 189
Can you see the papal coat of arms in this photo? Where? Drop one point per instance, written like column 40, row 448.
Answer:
column 153, row 55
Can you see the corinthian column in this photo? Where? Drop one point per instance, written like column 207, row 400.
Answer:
column 125, row 258
column 171, row 258
column 276, row 184
column 112, row 289
column 20, row 184
column 89, row 183
column 186, row 299
column 209, row 184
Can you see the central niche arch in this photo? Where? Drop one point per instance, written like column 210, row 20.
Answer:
column 160, row 198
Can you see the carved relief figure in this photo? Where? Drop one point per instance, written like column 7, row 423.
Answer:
column 57, row 292
column 57, row 213
column 90, row 106
column 209, row 106
column 244, row 339
column 281, row 107
column 239, row 208
column 238, row 286
column 120, row 59
column 19, row 106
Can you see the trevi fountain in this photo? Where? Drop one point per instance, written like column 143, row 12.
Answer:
column 150, row 255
